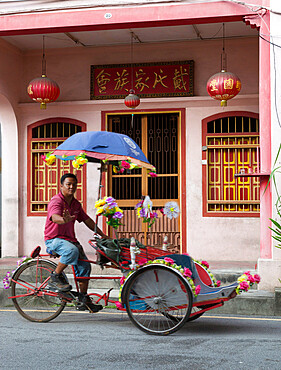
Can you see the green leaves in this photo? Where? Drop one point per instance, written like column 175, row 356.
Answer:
column 277, row 232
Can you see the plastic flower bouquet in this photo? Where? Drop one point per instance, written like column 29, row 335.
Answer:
column 108, row 207
column 144, row 211
column 124, row 165
column 246, row 281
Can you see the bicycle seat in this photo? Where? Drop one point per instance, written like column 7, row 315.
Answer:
column 35, row 252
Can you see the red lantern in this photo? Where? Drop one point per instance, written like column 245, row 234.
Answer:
column 132, row 100
column 223, row 86
column 43, row 90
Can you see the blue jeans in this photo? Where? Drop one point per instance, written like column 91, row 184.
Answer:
column 70, row 254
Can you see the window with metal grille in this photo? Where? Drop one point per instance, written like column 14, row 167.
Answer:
column 43, row 181
column 231, row 146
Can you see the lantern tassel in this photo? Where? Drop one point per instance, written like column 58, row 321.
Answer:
column 132, row 121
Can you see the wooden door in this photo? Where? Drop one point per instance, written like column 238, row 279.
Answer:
column 157, row 135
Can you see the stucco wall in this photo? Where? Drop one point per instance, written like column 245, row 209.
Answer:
column 70, row 67
column 209, row 238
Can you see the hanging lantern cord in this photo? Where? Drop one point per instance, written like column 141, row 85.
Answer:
column 132, row 72
column 223, row 55
column 43, row 59
column 132, row 67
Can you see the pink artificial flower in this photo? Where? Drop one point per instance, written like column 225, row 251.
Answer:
column 251, row 279
column 218, row 283
column 244, row 286
column 125, row 164
column 122, row 280
column 185, row 254
column 161, row 210
column 142, row 261
column 247, row 273
column 205, row 263
column 121, row 170
column 152, row 174
column 43, row 157
column 187, row 272
column 197, row 289
column 169, row 260
column 257, row 278
column 118, row 305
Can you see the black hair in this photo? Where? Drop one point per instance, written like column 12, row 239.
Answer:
column 67, row 175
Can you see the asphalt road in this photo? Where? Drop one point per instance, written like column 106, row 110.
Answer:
column 108, row 340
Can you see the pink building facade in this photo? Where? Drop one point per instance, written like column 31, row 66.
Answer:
column 105, row 28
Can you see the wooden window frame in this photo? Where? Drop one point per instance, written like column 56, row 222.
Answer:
column 29, row 159
column 205, row 185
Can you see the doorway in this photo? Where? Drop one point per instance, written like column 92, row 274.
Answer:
column 158, row 136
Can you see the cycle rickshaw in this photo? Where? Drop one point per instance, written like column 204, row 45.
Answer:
column 159, row 291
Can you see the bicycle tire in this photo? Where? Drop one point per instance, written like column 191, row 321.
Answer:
column 158, row 299
column 30, row 295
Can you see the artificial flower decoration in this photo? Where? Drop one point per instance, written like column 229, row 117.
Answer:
column 124, row 165
column 187, row 272
column 152, row 173
column 79, row 160
column 49, row 158
column 144, row 211
column 108, row 207
column 205, row 263
column 246, row 281
column 7, row 279
column 171, row 210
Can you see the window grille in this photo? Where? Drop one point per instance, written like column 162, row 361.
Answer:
column 43, row 180
column 158, row 137
column 231, row 146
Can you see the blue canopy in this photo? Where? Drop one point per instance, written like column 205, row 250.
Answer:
column 102, row 145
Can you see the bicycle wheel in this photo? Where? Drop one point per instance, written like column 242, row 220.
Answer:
column 158, row 299
column 30, row 296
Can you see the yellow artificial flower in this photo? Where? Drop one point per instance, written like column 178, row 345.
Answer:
column 99, row 203
column 75, row 164
column 50, row 160
column 81, row 160
column 242, row 278
column 100, row 210
column 115, row 170
column 119, row 210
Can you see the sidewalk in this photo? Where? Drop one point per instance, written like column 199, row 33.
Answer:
column 254, row 302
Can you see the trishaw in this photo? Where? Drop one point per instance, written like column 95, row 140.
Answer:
column 159, row 291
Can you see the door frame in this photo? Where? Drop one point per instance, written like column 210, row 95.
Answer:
column 182, row 166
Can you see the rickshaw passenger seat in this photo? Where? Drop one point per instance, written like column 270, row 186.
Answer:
column 182, row 260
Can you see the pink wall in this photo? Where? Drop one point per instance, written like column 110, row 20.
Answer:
column 208, row 238
column 70, row 67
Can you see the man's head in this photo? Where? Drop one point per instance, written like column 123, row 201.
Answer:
column 68, row 184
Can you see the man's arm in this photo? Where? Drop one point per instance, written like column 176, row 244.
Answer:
column 92, row 226
column 64, row 219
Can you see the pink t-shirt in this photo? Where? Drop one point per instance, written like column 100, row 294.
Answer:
column 65, row 231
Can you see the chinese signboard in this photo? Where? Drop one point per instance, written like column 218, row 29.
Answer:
column 148, row 80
